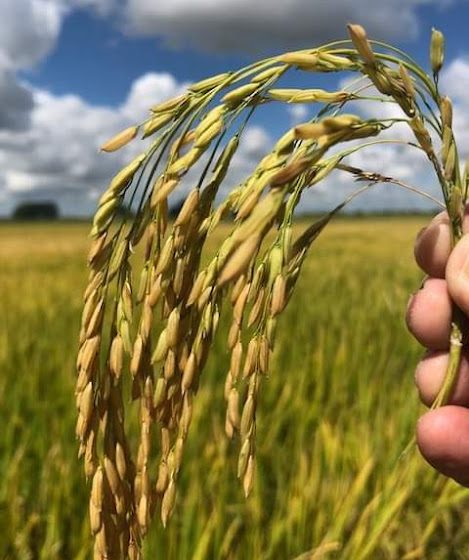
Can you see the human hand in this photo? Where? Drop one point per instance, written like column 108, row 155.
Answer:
column 442, row 434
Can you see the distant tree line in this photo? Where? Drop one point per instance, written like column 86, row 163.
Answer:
column 50, row 211
column 36, row 211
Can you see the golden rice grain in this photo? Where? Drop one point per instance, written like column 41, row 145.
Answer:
column 268, row 74
column 240, row 304
column 257, row 308
column 279, row 297
column 210, row 83
column 116, row 356
column 360, row 40
column 126, row 174
column 172, row 328
column 309, row 95
column 249, row 476
column 189, row 373
column 120, row 140
column 233, row 334
column 446, row 109
column 162, row 190
column 305, row 61
column 437, row 50
column 236, row 96
column 235, row 363
column 168, row 501
column 233, row 407
column 170, row 104
column 161, row 349
column 121, row 462
column 156, row 123
column 189, row 206
column 237, row 288
column 239, row 260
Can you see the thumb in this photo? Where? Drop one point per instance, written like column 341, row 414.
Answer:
column 457, row 274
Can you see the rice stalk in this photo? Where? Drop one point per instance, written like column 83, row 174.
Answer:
column 154, row 334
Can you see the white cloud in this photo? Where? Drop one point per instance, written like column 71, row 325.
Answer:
column 455, row 83
column 394, row 158
column 28, row 30
column 244, row 25
column 149, row 90
column 255, row 143
column 455, row 80
column 61, row 134
column 62, row 144
column 101, row 7
column 16, row 102
column 298, row 113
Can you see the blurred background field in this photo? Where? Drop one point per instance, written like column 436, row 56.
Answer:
column 336, row 412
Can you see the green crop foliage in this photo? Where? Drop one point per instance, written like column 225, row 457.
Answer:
column 337, row 410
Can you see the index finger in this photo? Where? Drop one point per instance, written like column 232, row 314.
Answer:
column 433, row 246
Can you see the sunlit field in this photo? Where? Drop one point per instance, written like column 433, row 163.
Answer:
column 335, row 414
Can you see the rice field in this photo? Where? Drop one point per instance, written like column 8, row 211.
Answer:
column 335, row 414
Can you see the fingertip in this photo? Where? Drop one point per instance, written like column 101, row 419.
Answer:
column 433, row 246
column 428, row 314
column 430, row 373
column 443, row 440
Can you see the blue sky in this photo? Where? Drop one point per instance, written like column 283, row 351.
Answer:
column 96, row 60
column 73, row 72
